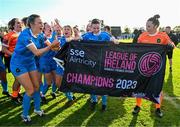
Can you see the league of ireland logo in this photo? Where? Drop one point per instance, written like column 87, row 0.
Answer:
column 150, row 64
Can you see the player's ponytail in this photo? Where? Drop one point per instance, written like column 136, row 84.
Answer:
column 155, row 20
column 11, row 23
column 31, row 19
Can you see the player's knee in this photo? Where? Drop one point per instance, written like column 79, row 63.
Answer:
column 30, row 92
column 36, row 88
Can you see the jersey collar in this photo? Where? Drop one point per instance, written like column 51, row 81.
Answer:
column 32, row 33
column 153, row 34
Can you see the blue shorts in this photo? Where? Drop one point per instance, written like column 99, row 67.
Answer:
column 37, row 63
column 2, row 66
column 38, row 67
column 18, row 70
column 47, row 67
column 59, row 71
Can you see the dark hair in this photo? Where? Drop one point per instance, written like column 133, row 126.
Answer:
column 76, row 27
column 95, row 21
column 11, row 23
column 31, row 19
column 155, row 20
column 24, row 20
column 45, row 23
column 44, row 26
column 168, row 27
column 108, row 28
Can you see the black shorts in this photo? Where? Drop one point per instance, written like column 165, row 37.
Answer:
column 7, row 63
column 170, row 54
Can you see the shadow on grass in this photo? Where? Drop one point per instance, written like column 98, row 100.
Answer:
column 38, row 121
column 54, row 105
column 4, row 99
column 115, row 110
column 169, row 90
column 85, row 117
column 8, row 111
column 49, row 99
column 170, row 118
column 133, row 121
column 168, row 85
column 7, row 106
column 170, row 107
column 77, row 118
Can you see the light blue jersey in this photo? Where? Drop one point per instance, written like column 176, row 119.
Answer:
column 62, row 40
column 22, row 55
column 50, row 53
column 39, row 45
column 59, row 70
column 47, row 64
column 102, row 36
column 23, row 60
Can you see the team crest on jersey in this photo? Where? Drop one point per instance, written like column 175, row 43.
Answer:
column 17, row 70
column 158, row 40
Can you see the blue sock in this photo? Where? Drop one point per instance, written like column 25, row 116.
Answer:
column 37, row 100
column 41, row 87
column 104, row 99
column 54, row 87
column 26, row 104
column 4, row 86
column 45, row 87
column 68, row 95
column 94, row 98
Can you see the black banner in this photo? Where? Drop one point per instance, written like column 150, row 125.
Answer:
column 126, row 70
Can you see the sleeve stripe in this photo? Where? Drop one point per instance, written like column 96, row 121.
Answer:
column 29, row 44
column 5, row 45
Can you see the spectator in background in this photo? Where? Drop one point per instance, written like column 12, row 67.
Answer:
column 88, row 27
column 77, row 34
column 137, row 33
column 1, row 35
column 178, row 36
column 24, row 22
column 174, row 39
column 108, row 30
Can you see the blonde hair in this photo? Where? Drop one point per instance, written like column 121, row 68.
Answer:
column 68, row 26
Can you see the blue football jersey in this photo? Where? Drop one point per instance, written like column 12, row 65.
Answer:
column 22, row 55
column 102, row 36
column 62, row 40
column 50, row 53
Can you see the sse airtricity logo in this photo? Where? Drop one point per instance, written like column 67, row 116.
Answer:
column 150, row 64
